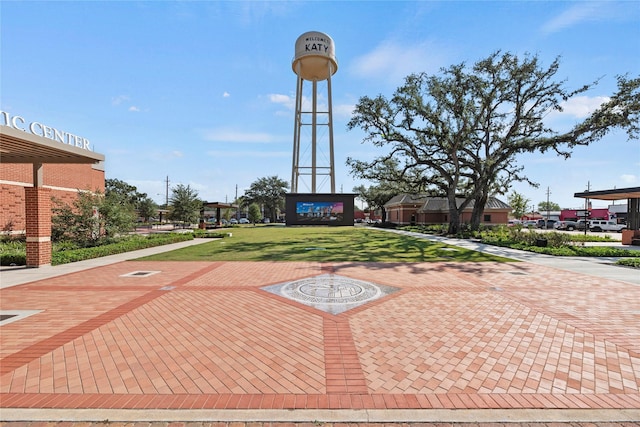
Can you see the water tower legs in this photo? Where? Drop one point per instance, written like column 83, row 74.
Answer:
column 315, row 119
column 295, row 170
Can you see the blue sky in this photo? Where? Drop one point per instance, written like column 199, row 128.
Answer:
column 203, row 92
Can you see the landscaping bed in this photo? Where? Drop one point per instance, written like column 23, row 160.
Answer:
column 548, row 243
column 13, row 252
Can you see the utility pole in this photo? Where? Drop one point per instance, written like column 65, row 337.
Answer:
column 548, row 207
column 166, row 194
column 586, row 209
column 237, row 207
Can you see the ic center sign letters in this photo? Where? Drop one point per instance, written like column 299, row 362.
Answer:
column 39, row 129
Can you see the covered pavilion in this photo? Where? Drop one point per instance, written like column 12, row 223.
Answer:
column 18, row 146
column 218, row 206
column 632, row 195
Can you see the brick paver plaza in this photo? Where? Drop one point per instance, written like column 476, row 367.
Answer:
column 207, row 335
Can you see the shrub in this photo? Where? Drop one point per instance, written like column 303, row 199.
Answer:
column 125, row 245
column 629, row 262
column 92, row 219
column 207, row 234
column 13, row 252
column 558, row 244
column 386, row 224
column 65, row 252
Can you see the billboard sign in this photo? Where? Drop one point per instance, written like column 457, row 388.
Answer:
column 318, row 212
column 319, row 209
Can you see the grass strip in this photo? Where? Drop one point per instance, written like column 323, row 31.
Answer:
column 321, row 244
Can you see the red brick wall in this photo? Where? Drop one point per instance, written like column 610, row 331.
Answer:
column 66, row 180
column 11, row 207
column 402, row 215
column 38, row 223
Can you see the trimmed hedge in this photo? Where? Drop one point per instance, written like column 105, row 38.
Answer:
column 629, row 262
column 131, row 244
column 15, row 253
column 557, row 243
column 585, row 251
column 205, row 234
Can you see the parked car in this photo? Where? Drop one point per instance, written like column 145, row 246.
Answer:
column 566, row 225
column 547, row 224
column 603, row 225
column 514, row 222
column 233, row 221
column 244, row 221
column 530, row 223
column 582, row 224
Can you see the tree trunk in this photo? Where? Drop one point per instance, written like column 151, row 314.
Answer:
column 454, row 214
column 478, row 210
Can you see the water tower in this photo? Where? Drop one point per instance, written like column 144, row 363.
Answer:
column 314, row 62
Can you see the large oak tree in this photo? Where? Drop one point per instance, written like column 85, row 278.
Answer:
column 457, row 134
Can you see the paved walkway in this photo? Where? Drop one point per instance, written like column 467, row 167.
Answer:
column 455, row 343
column 600, row 267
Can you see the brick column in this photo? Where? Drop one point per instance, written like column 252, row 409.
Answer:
column 38, row 225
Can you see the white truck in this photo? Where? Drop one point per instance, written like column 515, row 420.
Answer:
column 602, row 225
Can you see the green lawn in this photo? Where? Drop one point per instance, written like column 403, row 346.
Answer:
column 322, row 244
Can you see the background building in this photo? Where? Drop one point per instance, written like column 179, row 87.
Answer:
column 408, row 209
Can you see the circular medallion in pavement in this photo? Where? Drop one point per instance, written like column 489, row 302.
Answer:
column 330, row 289
column 330, row 292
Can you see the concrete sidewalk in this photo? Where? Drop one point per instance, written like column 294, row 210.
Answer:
column 603, row 267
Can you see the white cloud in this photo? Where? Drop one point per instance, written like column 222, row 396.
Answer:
column 233, row 135
column 393, row 61
column 289, row 102
column 339, row 110
column 576, row 14
column 226, row 94
column 121, row 99
column 629, row 179
column 582, row 106
column 578, row 107
column 117, row 100
column 284, row 100
column 343, row 110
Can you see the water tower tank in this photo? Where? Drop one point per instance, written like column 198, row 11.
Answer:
column 315, row 57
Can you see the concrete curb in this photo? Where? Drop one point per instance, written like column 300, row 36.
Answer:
column 326, row 415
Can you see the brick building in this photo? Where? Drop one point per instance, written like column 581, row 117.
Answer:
column 38, row 162
column 407, row 209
